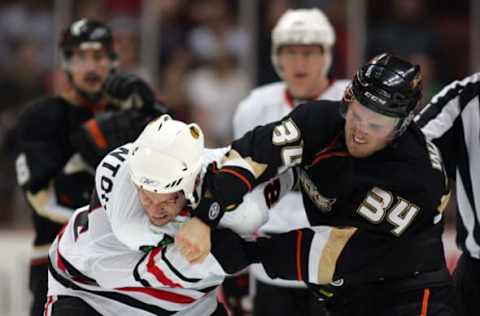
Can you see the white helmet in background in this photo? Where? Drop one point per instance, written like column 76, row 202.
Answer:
column 303, row 27
column 167, row 157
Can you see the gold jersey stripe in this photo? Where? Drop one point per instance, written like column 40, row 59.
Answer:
column 40, row 201
column 334, row 246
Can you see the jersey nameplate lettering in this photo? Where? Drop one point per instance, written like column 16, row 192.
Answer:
column 435, row 156
column 109, row 169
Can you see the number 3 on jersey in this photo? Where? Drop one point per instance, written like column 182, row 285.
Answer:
column 286, row 133
column 378, row 205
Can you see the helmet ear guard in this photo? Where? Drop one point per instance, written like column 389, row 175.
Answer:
column 167, row 157
column 302, row 27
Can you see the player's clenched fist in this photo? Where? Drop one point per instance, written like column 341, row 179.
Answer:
column 193, row 240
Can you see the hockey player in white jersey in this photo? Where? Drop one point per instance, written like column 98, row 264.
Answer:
column 116, row 256
column 302, row 43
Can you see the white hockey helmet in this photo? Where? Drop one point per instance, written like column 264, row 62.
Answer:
column 167, row 157
column 303, row 27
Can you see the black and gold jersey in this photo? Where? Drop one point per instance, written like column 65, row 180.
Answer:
column 53, row 176
column 382, row 210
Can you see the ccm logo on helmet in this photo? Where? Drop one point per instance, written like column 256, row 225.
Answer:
column 374, row 98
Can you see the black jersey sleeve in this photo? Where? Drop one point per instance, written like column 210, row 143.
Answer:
column 312, row 256
column 40, row 144
column 108, row 130
column 231, row 251
column 291, row 141
column 268, row 150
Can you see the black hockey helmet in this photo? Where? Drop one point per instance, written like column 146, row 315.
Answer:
column 388, row 85
column 86, row 31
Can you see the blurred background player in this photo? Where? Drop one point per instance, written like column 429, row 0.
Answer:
column 60, row 139
column 302, row 44
column 452, row 121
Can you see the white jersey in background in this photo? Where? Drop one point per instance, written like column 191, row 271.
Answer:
column 111, row 257
column 264, row 105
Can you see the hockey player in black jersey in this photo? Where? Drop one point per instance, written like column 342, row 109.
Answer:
column 60, row 139
column 366, row 173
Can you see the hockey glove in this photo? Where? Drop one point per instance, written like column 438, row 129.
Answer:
column 219, row 198
column 232, row 252
column 126, row 91
column 324, row 292
column 106, row 131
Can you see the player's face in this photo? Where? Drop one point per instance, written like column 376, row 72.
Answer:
column 161, row 208
column 89, row 68
column 367, row 131
column 303, row 69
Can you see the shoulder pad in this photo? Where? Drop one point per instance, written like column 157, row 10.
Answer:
column 43, row 113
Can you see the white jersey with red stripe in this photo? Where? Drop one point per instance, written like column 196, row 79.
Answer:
column 115, row 260
column 264, row 105
column 92, row 264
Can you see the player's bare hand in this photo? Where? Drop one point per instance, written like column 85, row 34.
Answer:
column 193, row 240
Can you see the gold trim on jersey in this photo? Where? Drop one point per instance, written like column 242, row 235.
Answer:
column 444, row 202
column 234, row 158
column 39, row 202
column 337, row 240
column 40, row 251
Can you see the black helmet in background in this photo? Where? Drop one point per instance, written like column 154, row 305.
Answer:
column 86, row 33
column 88, row 81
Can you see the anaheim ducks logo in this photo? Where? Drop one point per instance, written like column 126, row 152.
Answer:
column 323, row 203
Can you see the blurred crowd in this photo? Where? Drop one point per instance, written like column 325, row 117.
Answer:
column 201, row 57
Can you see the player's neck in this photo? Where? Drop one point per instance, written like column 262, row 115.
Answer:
column 75, row 98
column 315, row 95
column 323, row 85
